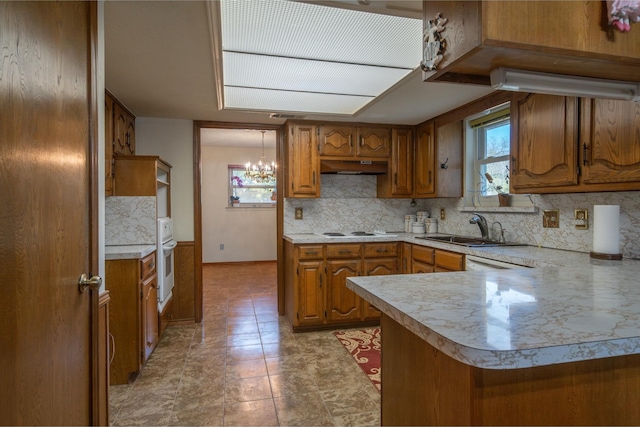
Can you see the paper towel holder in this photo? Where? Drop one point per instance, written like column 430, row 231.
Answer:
column 598, row 255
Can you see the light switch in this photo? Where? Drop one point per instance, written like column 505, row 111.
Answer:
column 582, row 219
column 298, row 214
column 551, row 218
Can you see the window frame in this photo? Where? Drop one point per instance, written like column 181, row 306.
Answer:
column 474, row 181
column 231, row 173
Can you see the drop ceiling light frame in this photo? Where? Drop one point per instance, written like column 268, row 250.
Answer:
column 355, row 101
column 563, row 85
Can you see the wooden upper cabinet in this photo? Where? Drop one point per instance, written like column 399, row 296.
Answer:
column 483, row 35
column 449, row 149
column 610, row 141
column 302, row 174
column 336, row 141
column 398, row 182
column 123, row 131
column 544, row 132
column 373, row 142
column 108, row 145
column 425, row 177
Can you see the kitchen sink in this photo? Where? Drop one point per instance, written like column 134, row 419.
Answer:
column 468, row 241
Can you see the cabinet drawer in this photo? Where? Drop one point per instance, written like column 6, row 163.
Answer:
column 148, row 266
column 372, row 250
column 343, row 251
column 422, row 254
column 449, row 260
column 310, row 252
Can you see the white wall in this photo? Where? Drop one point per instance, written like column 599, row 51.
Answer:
column 172, row 140
column 248, row 234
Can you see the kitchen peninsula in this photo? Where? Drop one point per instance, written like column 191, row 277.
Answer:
column 553, row 345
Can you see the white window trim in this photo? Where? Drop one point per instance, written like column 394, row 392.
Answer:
column 471, row 199
column 270, row 204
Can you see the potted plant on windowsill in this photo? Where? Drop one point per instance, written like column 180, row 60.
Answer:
column 504, row 198
column 235, row 201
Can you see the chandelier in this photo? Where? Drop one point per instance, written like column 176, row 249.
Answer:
column 262, row 171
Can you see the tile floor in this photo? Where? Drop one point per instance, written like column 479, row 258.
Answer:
column 243, row 366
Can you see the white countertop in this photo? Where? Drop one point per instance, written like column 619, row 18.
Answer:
column 568, row 308
column 127, row 251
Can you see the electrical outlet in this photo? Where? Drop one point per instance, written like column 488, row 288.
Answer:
column 298, row 214
column 443, row 216
column 551, row 218
column 222, row 246
column 582, row 219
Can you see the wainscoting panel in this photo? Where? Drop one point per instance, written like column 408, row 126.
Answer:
column 184, row 307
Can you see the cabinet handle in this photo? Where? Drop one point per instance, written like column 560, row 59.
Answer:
column 153, row 264
column 429, row 177
column 395, row 178
column 585, row 162
column 362, row 141
column 314, row 177
column 513, row 165
column 350, row 141
column 382, row 250
column 311, row 253
column 344, row 251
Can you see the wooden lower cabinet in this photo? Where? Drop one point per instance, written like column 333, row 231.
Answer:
column 133, row 314
column 430, row 260
column 316, row 295
column 423, row 386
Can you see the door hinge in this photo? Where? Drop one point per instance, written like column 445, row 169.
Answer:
column 318, row 131
column 579, row 170
column 297, row 315
column 325, row 314
column 298, row 270
column 141, row 293
column 113, row 168
column 141, row 354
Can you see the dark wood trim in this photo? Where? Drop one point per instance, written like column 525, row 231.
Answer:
column 94, row 195
column 184, row 304
column 197, row 200
column 101, row 416
column 280, row 155
column 210, row 264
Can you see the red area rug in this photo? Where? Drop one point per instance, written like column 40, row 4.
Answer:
column 364, row 346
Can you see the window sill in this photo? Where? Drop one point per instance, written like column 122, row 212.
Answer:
column 500, row 209
column 251, row 206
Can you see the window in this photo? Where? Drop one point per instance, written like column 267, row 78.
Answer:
column 246, row 192
column 488, row 144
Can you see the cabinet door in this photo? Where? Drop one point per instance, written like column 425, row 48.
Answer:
column 544, row 132
column 131, row 135
column 377, row 267
column 149, row 315
column 336, row 141
column 310, row 293
column 449, row 143
column 303, row 166
column 401, row 167
column 610, row 142
column 448, row 261
column 342, row 303
column 421, row 267
column 425, row 182
column 119, row 130
column 406, row 258
column 108, row 145
column 374, row 142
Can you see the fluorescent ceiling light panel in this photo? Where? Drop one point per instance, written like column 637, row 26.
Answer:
column 558, row 84
column 303, row 48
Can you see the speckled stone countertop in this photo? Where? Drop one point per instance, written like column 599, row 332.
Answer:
column 568, row 308
column 127, row 251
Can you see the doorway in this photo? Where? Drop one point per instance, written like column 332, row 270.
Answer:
column 224, row 233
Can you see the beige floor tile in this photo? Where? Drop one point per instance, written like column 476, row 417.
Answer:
column 302, row 410
column 347, row 399
column 247, row 389
column 286, row 364
column 244, row 339
column 245, row 352
column 256, row 413
column 364, row 419
column 285, row 348
column 246, row 369
column 292, row 383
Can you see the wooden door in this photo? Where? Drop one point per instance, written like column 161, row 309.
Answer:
column 402, row 163
column 48, row 232
column 303, row 162
column 310, row 296
column 343, row 303
column 150, row 315
column 610, row 141
column 450, row 148
column 374, row 142
column 336, row 141
column 425, row 181
column 544, row 132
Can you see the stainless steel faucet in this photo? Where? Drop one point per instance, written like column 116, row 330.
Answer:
column 501, row 237
column 482, row 223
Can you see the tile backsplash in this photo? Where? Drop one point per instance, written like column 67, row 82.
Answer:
column 130, row 220
column 349, row 203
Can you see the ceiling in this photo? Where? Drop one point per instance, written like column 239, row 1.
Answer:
column 159, row 63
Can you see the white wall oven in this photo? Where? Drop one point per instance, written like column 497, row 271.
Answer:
column 165, row 263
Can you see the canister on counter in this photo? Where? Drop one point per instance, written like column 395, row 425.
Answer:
column 431, row 225
column 417, row 228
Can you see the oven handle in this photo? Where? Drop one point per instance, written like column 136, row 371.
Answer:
column 170, row 245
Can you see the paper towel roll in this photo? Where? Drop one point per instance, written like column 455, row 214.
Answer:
column 606, row 229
